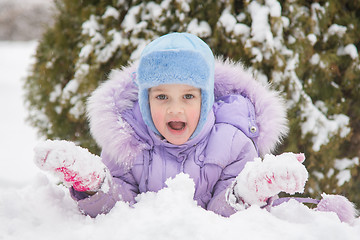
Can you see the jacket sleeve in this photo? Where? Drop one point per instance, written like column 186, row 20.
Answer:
column 243, row 151
column 119, row 185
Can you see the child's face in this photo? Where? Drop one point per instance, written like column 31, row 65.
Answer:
column 175, row 111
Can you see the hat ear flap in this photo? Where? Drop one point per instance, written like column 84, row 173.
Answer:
column 145, row 110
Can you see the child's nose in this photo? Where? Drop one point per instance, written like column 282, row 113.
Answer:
column 175, row 108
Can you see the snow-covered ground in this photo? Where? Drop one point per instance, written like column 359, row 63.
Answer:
column 33, row 207
column 16, row 138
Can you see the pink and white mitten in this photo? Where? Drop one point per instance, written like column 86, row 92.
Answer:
column 73, row 165
column 262, row 179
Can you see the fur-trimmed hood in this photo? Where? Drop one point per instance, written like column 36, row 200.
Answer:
column 119, row 93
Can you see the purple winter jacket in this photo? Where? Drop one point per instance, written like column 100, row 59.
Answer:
column 247, row 120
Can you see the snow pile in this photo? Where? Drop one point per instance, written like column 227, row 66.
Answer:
column 43, row 210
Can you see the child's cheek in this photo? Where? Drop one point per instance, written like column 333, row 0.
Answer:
column 158, row 118
column 194, row 114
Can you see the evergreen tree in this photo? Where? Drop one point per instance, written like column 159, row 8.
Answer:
column 307, row 49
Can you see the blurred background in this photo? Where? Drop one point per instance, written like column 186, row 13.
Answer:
column 24, row 20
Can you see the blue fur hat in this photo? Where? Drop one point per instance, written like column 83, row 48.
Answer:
column 176, row 58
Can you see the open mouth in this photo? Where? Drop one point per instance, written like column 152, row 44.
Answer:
column 176, row 125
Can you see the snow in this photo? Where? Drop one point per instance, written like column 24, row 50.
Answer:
column 336, row 29
column 344, row 166
column 32, row 206
column 315, row 122
column 350, row 50
column 269, row 176
column 91, row 28
column 229, row 22
column 184, row 5
column 73, row 165
column 17, row 139
column 317, row 11
column 201, row 29
column 275, row 8
column 315, row 59
column 260, row 28
column 111, row 12
column 71, row 87
column 154, row 10
column 312, row 38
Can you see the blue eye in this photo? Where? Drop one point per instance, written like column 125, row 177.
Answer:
column 161, row 97
column 188, row 96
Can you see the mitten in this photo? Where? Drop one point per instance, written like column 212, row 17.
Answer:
column 73, row 165
column 345, row 209
column 262, row 179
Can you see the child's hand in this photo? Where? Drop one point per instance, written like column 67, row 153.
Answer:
column 261, row 180
column 73, row 165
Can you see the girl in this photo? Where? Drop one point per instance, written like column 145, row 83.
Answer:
column 179, row 110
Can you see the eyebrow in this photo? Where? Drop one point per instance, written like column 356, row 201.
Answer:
column 156, row 90
column 191, row 89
